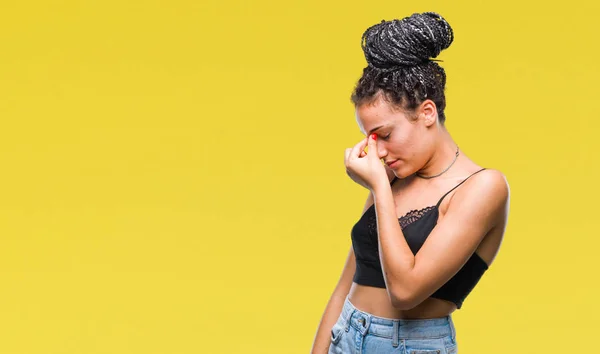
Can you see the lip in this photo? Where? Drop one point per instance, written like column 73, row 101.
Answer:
column 392, row 164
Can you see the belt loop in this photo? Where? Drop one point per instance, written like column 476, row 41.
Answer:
column 395, row 334
column 347, row 328
column 365, row 320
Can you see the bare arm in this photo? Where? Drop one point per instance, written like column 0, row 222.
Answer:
column 336, row 302
column 472, row 211
column 334, row 307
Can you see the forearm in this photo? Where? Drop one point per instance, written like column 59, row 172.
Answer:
column 396, row 257
column 330, row 315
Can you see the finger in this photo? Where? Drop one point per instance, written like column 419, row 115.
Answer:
column 372, row 143
column 347, row 155
column 358, row 147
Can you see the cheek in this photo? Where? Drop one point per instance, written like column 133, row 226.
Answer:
column 400, row 146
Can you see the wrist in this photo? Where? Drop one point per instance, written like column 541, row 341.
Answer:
column 380, row 187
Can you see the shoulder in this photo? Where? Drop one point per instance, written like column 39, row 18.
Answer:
column 492, row 182
column 487, row 191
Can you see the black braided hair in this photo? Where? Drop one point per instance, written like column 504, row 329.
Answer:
column 399, row 67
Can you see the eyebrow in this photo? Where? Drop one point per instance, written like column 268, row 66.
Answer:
column 374, row 129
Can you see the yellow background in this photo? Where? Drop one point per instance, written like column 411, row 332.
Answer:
column 173, row 180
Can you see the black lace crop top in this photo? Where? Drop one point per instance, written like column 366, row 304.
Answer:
column 416, row 226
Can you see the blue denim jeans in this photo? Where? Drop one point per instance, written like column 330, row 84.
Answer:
column 359, row 332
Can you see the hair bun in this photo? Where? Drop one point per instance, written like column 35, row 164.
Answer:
column 407, row 42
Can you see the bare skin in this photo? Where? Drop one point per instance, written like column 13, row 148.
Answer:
column 415, row 193
column 421, row 144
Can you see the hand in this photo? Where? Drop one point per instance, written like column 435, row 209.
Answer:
column 364, row 168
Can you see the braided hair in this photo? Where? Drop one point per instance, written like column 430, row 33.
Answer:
column 399, row 66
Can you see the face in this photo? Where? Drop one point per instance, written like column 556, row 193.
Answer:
column 400, row 136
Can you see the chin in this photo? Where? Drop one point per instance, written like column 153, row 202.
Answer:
column 402, row 171
column 401, row 176
column 399, row 172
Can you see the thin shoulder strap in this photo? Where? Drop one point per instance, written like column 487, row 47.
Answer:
column 442, row 198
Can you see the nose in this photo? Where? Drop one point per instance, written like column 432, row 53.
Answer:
column 381, row 151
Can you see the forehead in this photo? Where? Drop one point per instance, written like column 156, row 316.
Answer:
column 374, row 115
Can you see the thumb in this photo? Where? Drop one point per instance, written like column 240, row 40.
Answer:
column 372, row 144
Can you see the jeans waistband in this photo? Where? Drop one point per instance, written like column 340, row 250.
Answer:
column 396, row 329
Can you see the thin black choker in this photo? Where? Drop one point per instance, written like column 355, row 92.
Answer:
column 447, row 168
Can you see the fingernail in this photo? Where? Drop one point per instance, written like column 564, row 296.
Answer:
column 374, row 136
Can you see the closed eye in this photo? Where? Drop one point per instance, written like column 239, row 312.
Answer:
column 386, row 137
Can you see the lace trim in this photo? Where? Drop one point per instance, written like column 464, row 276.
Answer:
column 405, row 220
column 414, row 215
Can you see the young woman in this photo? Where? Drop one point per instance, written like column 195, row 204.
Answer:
column 434, row 219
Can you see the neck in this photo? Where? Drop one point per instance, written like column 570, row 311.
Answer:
column 443, row 156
